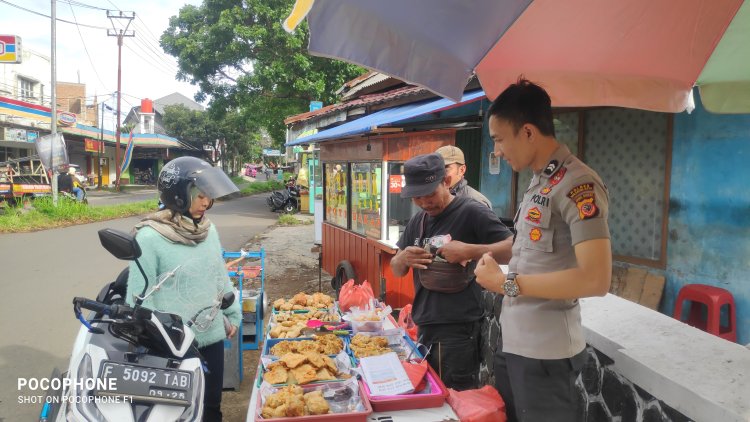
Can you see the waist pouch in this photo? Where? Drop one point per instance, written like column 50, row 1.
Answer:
column 445, row 277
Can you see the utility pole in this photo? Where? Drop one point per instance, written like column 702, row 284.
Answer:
column 100, row 148
column 53, row 106
column 120, row 34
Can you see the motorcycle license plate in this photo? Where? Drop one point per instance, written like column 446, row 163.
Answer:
column 147, row 384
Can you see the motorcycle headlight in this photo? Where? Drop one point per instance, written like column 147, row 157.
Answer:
column 83, row 397
column 192, row 412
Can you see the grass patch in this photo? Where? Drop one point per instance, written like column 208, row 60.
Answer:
column 290, row 220
column 258, row 187
column 44, row 215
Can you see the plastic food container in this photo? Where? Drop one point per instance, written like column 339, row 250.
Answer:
column 435, row 398
column 358, row 416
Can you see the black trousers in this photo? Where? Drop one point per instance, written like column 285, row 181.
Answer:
column 455, row 352
column 538, row 389
column 213, row 355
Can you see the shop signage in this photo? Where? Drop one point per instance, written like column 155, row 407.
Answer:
column 395, row 183
column 316, row 105
column 15, row 134
column 65, row 118
column 10, row 49
column 31, row 135
column 271, row 152
column 91, row 145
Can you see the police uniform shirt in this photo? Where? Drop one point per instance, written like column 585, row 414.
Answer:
column 467, row 221
column 565, row 204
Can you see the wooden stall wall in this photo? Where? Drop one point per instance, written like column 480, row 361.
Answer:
column 340, row 244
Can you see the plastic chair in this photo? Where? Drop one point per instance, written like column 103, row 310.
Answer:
column 714, row 298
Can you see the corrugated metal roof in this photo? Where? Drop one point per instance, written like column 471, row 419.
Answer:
column 365, row 100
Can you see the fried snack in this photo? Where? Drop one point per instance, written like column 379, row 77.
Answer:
column 278, row 404
column 315, row 359
column 316, row 404
column 283, row 347
column 329, row 344
column 278, row 303
column 364, row 346
column 293, row 360
column 302, row 301
column 295, row 406
column 323, row 374
column 330, row 364
column 305, row 374
column 276, row 373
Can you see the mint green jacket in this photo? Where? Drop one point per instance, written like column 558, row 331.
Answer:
column 198, row 281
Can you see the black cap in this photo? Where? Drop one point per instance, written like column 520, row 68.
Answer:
column 422, row 175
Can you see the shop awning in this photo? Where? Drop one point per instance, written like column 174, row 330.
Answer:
column 387, row 117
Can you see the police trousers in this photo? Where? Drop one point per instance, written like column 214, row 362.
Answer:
column 538, row 390
column 454, row 352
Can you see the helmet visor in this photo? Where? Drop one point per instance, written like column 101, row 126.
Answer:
column 213, row 182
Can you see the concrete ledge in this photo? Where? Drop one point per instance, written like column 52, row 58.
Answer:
column 702, row 376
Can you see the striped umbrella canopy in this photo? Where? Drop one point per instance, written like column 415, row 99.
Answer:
column 645, row 54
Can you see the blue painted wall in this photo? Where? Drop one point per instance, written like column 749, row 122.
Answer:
column 496, row 187
column 709, row 209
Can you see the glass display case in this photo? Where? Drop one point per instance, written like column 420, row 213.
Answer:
column 400, row 209
column 336, row 194
column 365, row 178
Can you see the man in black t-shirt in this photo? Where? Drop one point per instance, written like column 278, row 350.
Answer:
column 459, row 231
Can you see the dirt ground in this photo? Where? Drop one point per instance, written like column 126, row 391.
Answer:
column 291, row 268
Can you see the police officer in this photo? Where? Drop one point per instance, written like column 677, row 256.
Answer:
column 561, row 252
column 455, row 169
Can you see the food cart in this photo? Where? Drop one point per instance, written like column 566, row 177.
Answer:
column 363, row 212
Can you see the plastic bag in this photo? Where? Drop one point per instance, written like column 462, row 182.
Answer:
column 405, row 322
column 478, row 405
column 355, row 295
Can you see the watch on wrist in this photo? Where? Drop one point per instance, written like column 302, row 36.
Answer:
column 510, row 286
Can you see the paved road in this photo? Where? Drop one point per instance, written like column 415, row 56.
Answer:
column 100, row 198
column 42, row 271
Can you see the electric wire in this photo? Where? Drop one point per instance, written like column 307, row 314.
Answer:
column 86, row 48
column 49, row 17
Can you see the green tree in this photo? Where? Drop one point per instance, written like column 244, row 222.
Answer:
column 193, row 127
column 240, row 57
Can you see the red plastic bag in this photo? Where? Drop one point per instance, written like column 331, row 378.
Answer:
column 355, row 295
column 479, row 405
column 405, row 322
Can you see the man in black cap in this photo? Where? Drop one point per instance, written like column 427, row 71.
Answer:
column 451, row 233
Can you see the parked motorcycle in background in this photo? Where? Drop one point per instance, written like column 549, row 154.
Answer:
column 132, row 363
column 286, row 200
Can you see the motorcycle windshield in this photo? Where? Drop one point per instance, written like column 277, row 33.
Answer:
column 214, row 183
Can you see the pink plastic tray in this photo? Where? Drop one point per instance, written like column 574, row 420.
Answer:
column 332, row 417
column 410, row 401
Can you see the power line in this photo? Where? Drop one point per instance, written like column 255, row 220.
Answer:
column 149, row 61
column 49, row 17
column 79, row 4
column 84, row 46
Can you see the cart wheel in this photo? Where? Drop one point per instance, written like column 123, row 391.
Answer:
column 344, row 272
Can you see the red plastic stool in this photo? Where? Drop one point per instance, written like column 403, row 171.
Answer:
column 714, row 298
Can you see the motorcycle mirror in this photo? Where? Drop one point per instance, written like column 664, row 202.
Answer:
column 227, row 300
column 120, row 244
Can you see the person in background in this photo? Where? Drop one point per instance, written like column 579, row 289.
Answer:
column 64, row 182
column 456, row 230
column 455, row 169
column 561, row 253
column 182, row 236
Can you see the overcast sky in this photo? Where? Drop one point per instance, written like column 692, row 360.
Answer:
column 147, row 72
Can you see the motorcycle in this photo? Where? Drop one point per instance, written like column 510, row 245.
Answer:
column 286, row 200
column 130, row 363
column 72, row 196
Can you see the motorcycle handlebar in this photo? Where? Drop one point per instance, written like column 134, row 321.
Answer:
column 114, row 311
